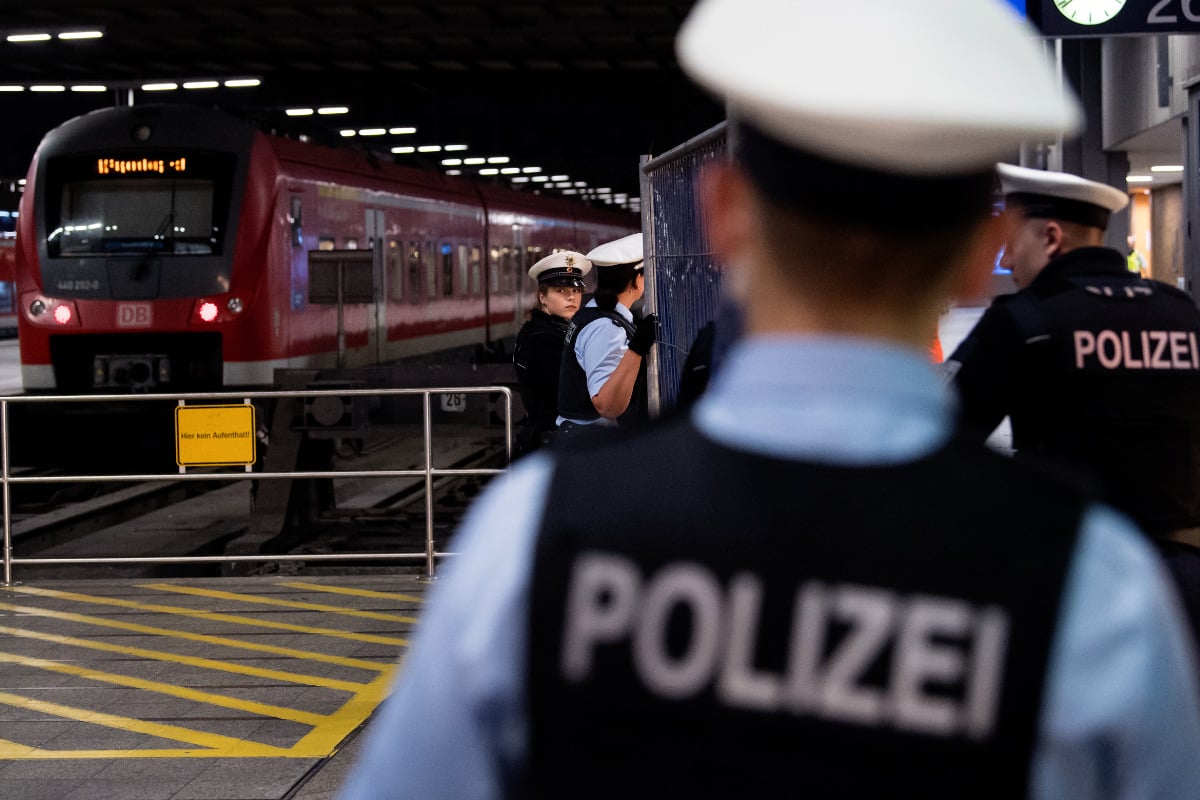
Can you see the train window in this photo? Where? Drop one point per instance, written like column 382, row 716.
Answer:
column 297, row 221
column 171, row 203
column 494, row 270
column 476, row 270
column 325, row 243
column 464, row 285
column 447, row 254
column 430, row 271
column 506, row 269
column 396, row 266
column 414, row 271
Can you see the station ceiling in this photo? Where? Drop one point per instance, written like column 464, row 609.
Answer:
column 577, row 87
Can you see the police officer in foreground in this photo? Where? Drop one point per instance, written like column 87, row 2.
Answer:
column 602, row 380
column 774, row 596
column 1097, row 368
column 537, row 355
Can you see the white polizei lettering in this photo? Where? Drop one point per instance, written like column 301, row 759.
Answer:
column 855, row 654
column 1130, row 362
column 1173, row 350
column 870, row 613
column 601, row 601
column 1180, row 357
column 809, row 622
column 740, row 683
column 986, row 676
column 1160, row 344
column 1085, row 345
column 1112, row 359
column 921, row 660
column 680, row 675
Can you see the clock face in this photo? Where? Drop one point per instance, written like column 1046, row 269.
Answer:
column 1089, row 12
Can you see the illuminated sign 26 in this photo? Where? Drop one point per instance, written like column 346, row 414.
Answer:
column 124, row 166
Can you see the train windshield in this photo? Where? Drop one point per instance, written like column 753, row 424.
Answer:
column 170, row 203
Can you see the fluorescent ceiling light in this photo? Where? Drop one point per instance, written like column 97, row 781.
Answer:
column 401, row 131
column 530, row 170
column 474, row 160
column 242, row 83
column 347, row 132
column 89, row 87
column 454, row 172
column 28, row 37
column 1138, row 178
column 450, row 148
column 1167, row 168
column 539, row 179
column 451, row 162
column 498, row 160
column 371, row 131
column 201, row 84
column 299, row 112
column 560, row 177
column 520, row 179
column 48, row 88
column 429, row 148
column 327, row 110
column 401, row 151
column 489, row 171
column 509, row 171
column 159, row 87
column 68, row 35
column 12, row 88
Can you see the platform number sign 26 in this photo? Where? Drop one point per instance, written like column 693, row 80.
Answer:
column 454, row 402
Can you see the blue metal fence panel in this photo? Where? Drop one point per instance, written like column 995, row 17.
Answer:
column 683, row 279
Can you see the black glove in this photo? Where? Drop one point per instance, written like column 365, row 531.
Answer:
column 644, row 335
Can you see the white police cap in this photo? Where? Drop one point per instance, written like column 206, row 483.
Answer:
column 924, row 88
column 564, row 268
column 1060, row 195
column 626, row 250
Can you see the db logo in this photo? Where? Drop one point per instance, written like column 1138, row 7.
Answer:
column 134, row 315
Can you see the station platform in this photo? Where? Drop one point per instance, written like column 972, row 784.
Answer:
column 194, row 689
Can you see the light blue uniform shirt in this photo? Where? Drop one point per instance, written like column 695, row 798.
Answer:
column 599, row 347
column 1120, row 716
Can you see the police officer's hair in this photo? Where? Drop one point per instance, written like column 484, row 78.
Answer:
column 610, row 282
column 844, row 258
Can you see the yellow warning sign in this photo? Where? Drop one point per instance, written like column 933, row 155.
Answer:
column 214, row 436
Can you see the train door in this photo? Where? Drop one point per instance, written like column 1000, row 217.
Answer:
column 376, row 233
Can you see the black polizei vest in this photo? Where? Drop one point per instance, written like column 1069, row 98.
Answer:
column 574, row 399
column 1113, row 385
column 730, row 624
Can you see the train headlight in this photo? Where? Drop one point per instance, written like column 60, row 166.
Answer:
column 37, row 308
column 62, row 314
column 208, row 311
column 235, row 305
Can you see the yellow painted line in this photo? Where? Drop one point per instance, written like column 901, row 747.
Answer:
column 209, row 615
column 194, row 661
column 271, row 601
column 288, row 652
column 208, row 698
column 330, row 734
column 320, row 587
column 162, row 731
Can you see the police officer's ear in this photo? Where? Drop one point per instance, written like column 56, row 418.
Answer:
column 727, row 203
column 1053, row 238
column 972, row 281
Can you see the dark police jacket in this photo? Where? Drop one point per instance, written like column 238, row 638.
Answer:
column 732, row 623
column 574, row 399
column 537, row 357
column 1098, row 369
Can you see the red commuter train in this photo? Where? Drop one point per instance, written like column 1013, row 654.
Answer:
column 172, row 249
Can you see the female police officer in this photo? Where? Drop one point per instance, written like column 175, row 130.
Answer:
column 538, row 352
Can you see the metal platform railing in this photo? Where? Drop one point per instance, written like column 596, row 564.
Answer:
column 428, row 472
